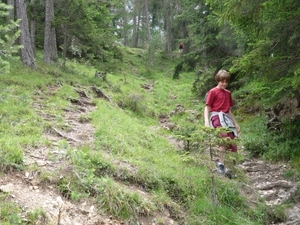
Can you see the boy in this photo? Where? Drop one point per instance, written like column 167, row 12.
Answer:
column 217, row 113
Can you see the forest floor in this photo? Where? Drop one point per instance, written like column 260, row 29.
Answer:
column 266, row 180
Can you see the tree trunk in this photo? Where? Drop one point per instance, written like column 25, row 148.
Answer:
column 125, row 29
column 134, row 32
column 27, row 54
column 149, row 38
column 148, row 21
column 65, row 45
column 168, row 25
column 12, row 11
column 50, row 47
column 185, row 33
column 136, row 24
column 32, row 29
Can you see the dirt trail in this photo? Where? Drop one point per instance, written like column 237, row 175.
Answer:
column 25, row 187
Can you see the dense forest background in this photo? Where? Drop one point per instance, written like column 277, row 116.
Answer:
column 256, row 40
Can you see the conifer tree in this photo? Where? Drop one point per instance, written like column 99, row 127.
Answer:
column 8, row 35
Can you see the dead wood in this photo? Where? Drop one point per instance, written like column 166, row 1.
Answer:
column 101, row 94
column 82, row 93
column 82, row 102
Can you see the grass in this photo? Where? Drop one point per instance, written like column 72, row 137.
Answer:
column 130, row 150
column 9, row 211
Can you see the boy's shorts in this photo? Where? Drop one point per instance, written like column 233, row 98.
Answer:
column 216, row 123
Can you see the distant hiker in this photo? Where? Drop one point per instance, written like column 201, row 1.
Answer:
column 181, row 47
column 217, row 113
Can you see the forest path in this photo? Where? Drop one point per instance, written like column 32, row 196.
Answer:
column 270, row 182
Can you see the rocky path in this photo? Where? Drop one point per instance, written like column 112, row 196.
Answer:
column 269, row 182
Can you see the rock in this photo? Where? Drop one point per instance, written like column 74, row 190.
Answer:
column 7, row 188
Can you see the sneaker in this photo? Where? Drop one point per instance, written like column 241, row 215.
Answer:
column 221, row 168
column 228, row 173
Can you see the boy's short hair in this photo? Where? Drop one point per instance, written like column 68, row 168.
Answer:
column 222, row 75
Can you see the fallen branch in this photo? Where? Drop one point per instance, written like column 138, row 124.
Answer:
column 82, row 93
column 81, row 102
column 101, row 94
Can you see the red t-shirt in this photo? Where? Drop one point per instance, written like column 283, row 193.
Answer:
column 219, row 100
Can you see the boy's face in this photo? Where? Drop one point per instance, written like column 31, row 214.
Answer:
column 222, row 84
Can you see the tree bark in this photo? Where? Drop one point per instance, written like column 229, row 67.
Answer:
column 50, row 47
column 65, row 44
column 148, row 21
column 27, row 54
column 134, row 32
column 168, row 25
column 33, row 30
column 149, row 38
column 12, row 11
column 136, row 24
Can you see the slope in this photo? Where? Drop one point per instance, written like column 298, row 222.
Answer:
column 77, row 149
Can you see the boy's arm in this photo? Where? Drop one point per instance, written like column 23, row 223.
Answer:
column 206, row 115
column 234, row 121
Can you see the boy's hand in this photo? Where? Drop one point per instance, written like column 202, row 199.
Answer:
column 238, row 129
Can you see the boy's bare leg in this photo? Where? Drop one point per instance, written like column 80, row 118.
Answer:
column 221, row 154
column 220, row 165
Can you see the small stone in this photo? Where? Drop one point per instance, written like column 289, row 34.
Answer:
column 7, row 188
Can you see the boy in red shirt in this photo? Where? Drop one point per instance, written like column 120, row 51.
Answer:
column 180, row 47
column 217, row 113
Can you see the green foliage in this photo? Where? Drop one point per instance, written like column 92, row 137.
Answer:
column 87, row 30
column 88, row 167
column 135, row 103
column 204, row 82
column 8, row 35
column 9, row 211
column 120, row 202
column 269, row 60
column 12, row 155
column 36, row 216
column 198, row 137
column 19, row 126
column 282, row 145
column 228, row 211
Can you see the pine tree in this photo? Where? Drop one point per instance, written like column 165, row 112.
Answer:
column 8, row 35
